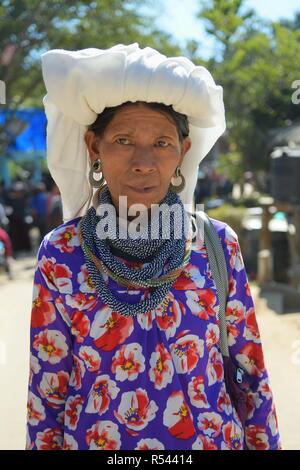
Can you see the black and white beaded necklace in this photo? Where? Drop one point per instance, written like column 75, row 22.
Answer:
column 159, row 255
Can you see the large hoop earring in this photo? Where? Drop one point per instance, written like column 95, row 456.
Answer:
column 179, row 187
column 96, row 167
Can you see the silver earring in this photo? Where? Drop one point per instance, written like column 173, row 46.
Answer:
column 179, row 187
column 96, row 168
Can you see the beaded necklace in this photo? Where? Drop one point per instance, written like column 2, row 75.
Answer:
column 178, row 255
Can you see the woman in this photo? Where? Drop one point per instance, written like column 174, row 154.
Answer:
column 124, row 329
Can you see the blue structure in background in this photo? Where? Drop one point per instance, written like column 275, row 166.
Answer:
column 30, row 142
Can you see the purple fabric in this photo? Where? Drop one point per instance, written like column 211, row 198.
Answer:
column 99, row 380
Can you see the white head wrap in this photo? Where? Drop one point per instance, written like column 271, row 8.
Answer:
column 80, row 84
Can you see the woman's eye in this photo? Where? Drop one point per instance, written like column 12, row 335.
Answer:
column 162, row 143
column 122, row 140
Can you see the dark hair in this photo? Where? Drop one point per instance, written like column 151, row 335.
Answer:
column 104, row 118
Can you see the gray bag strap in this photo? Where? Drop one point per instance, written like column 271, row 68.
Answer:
column 218, row 267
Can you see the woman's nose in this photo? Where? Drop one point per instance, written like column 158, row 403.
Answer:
column 143, row 161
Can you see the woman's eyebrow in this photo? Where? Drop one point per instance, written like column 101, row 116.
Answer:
column 131, row 131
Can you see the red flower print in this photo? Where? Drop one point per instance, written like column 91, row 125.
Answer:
column 232, row 245
column 135, row 410
column 51, row 346
column 272, row 422
column 186, row 353
column 80, row 326
column 65, row 239
column 84, row 280
column 233, row 437
column 210, row 423
column 253, row 402
column 265, row 389
column 204, row 443
column 53, row 388
column 57, row 276
column 235, row 311
column 233, row 333
column 35, row 409
column 69, row 442
column 212, row 335
column 178, row 418
column 90, row 357
column 247, row 289
column 104, row 435
column 196, row 392
column 34, row 367
column 81, row 301
column 162, row 369
column 224, row 402
column 202, row 303
column 110, row 329
column 145, row 320
column 149, row 444
column 231, row 287
column 128, row 362
column 72, row 411
column 50, row 439
column 43, row 310
column 251, row 358
column 257, row 438
column 169, row 319
column 189, row 279
column 103, row 390
column 251, row 330
column 214, row 370
column 61, row 307
column 78, row 372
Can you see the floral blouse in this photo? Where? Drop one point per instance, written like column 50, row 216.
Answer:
column 103, row 381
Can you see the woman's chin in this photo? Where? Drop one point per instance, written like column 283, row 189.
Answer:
column 143, row 197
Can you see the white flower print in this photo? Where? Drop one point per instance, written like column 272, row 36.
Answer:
column 128, row 362
column 162, row 368
column 35, row 410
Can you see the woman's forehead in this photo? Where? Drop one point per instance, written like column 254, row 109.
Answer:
column 139, row 114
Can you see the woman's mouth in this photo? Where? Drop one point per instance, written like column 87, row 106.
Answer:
column 143, row 189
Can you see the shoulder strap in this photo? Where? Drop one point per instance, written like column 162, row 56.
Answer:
column 218, row 267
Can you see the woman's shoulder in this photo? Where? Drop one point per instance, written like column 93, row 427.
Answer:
column 231, row 246
column 226, row 233
column 229, row 240
column 62, row 240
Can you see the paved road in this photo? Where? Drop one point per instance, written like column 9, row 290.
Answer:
column 280, row 336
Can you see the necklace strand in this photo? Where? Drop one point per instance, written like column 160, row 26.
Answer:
column 107, row 266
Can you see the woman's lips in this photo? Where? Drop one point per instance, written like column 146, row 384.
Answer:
column 145, row 189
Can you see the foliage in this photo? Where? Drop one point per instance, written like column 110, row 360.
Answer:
column 230, row 214
column 256, row 63
column 30, row 27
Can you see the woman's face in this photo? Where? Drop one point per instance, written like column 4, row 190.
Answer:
column 139, row 151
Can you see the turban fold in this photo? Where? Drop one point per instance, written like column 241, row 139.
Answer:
column 81, row 84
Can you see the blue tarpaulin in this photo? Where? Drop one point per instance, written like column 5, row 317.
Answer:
column 32, row 137
column 26, row 135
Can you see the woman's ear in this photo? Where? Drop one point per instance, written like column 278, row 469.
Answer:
column 92, row 142
column 185, row 147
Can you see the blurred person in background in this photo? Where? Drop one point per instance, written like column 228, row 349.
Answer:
column 54, row 208
column 19, row 211
column 38, row 205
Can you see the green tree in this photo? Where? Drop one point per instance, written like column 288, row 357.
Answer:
column 257, row 62
column 292, row 24
column 30, row 27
